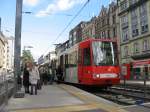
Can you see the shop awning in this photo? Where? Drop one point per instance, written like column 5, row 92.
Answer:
column 139, row 63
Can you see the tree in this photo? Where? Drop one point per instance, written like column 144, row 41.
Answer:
column 27, row 56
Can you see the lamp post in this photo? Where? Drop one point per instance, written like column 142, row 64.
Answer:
column 24, row 48
column 17, row 50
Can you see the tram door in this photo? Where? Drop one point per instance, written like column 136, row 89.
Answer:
column 80, row 67
column 66, row 66
column 84, row 63
column 61, row 67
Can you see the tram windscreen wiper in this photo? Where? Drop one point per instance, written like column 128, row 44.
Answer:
column 106, row 64
column 101, row 64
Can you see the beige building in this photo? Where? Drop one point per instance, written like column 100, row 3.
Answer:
column 134, row 21
column 75, row 35
column 88, row 30
column 4, row 53
column 10, row 53
column 2, row 50
column 106, row 22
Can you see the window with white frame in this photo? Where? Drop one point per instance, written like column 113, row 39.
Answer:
column 103, row 34
column 74, row 37
column 114, row 19
column 136, row 47
column 70, row 40
column 114, row 32
column 145, row 45
column 143, row 18
column 125, row 34
column 134, row 23
column 124, row 21
column 126, row 51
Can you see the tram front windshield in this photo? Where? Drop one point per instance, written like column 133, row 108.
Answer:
column 104, row 53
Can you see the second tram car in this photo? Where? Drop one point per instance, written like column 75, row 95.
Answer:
column 91, row 62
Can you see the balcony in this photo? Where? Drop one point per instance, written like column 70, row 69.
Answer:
column 143, row 55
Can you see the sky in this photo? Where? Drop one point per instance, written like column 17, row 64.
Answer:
column 41, row 28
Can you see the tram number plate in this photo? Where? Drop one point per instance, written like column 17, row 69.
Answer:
column 108, row 75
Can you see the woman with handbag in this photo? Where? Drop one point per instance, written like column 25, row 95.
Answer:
column 33, row 78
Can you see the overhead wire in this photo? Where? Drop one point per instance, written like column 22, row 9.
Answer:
column 76, row 15
column 9, row 29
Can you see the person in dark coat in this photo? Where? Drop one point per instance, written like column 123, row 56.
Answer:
column 59, row 73
column 26, row 82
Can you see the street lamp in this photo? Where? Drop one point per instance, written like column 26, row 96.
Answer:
column 59, row 14
column 17, row 50
column 24, row 48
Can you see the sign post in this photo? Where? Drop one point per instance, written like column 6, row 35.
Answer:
column 145, row 78
column 124, row 73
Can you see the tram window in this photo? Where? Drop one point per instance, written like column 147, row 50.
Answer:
column 80, row 56
column 72, row 59
column 66, row 61
column 86, row 59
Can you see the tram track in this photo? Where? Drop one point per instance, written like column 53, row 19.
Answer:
column 124, row 96
column 120, row 95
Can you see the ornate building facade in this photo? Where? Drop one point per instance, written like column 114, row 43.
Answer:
column 134, row 18
column 106, row 22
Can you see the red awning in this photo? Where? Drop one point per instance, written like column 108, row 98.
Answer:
column 141, row 62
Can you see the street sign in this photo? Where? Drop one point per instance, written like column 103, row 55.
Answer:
column 124, row 70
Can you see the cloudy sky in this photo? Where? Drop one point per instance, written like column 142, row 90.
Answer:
column 49, row 17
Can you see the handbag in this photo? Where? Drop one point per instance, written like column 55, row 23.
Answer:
column 39, row 85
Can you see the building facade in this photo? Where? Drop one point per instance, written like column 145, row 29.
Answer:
column 106, row 22
column 75, row 35
column 88, row 30
column 5, row 57
column 4, row 52
column 10, row 50
column 134, row 18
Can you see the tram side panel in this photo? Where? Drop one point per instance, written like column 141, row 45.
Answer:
column 71, row 70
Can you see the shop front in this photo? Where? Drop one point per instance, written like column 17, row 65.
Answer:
column 141, row 70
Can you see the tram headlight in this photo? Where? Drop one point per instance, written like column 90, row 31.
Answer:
column 96, row 75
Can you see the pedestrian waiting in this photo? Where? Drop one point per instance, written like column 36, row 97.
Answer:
column 26, row 82
column 33, row 78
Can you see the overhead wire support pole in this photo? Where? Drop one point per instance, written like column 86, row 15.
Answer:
column 17, row 50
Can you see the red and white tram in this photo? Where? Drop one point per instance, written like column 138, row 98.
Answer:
column 91, row 62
